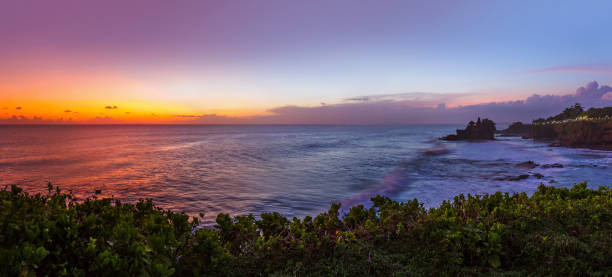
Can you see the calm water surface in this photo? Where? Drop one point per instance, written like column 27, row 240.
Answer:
column 295, row 170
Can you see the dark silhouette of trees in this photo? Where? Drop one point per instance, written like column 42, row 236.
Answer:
column 572, row 112
column 599, row 112
column 576, row 111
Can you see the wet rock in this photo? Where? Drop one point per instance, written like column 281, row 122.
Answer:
column 513, row 178
column 527, row 165
column 520, row 177
column 450, row 138
column 555, row 165
column 436, row 151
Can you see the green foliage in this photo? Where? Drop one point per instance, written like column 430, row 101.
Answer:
column 572, row 112
column 556, row 231
column 575, row 112
column 605, row 112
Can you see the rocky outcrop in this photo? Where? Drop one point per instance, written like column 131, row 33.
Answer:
column 527, row 165
column 517, row 129
column 479, row 130
column 555, row 165
column 513, row 178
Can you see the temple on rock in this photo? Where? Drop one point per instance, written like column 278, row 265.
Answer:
column 479, row 130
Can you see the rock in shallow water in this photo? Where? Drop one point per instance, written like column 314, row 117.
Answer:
column 555, row 165
column 527, row 165
column 513, row 178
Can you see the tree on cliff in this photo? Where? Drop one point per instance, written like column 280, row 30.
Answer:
column 569, row 113
column 599, row 112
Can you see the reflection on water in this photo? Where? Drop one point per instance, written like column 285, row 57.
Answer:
column 296, row 170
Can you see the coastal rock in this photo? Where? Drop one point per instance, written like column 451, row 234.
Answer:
column 555, row 165
column 517, row 129
column 479, row 130
column 527, row 165
column 436, row 151
column 513, row 178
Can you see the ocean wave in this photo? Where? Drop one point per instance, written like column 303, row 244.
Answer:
column 399, row 179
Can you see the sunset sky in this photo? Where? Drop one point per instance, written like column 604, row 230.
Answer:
column 280, row 61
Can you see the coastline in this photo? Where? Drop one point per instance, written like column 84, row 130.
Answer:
column 589, row 134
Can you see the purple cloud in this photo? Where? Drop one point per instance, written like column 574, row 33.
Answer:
column 423, row 108
column 110, row 107
column 358, row 99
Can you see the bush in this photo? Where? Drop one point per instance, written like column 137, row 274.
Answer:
column 556, row 231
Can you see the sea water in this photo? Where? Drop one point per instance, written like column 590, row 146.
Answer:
column 294, row 170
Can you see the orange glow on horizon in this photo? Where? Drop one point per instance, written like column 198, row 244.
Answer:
column 93, row 97
column 109, row 112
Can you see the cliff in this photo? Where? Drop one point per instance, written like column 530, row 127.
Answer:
column 581, row 133
column 596, row 134
column 573, row 127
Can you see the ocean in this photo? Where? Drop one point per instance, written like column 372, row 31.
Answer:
column 294, row 170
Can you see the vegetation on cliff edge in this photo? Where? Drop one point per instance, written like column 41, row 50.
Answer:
column 556, row 231
column 577, row 112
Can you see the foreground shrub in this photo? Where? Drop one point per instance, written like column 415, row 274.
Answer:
column 556, row 231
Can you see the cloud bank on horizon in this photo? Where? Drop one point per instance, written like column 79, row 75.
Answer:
column 422, row 108
column 405, row 108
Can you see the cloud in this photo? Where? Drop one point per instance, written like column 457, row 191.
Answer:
column 403, row 108
column 110, row 107
column 25, row 120
column 67, row 111
column 358, row 99
column 186, row 115
column 423, row 108
column 18, row 108
column 101, row 120
column 20, row 119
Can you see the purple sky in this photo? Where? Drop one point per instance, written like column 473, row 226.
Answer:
column 264, row 60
